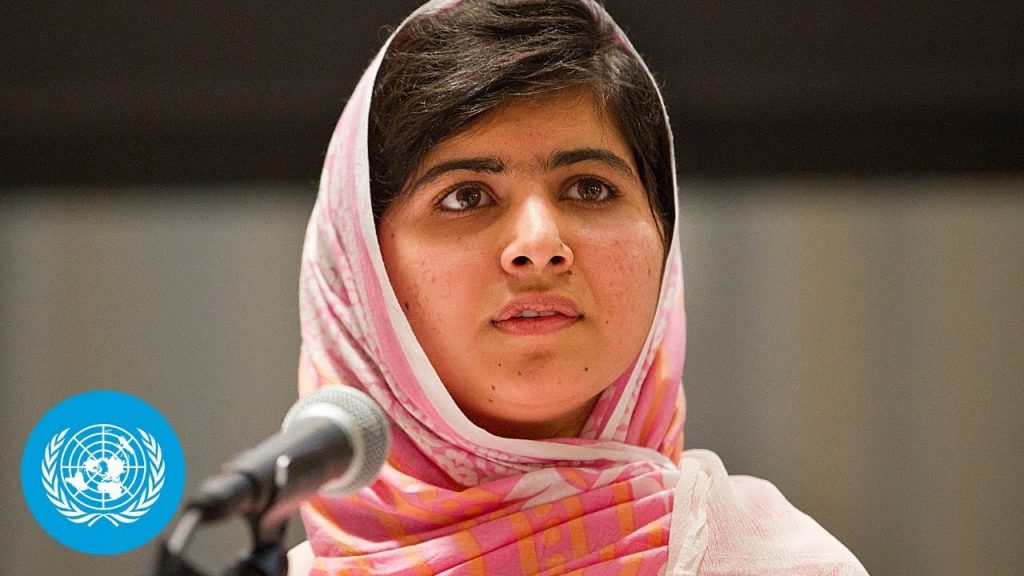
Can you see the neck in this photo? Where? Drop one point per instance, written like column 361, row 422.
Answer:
column 564, row 426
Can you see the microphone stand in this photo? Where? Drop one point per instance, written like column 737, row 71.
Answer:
column 265, row 556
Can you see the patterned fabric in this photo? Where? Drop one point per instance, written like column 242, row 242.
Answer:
column 454, row 499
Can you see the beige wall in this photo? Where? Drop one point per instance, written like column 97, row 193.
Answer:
column 860, row 343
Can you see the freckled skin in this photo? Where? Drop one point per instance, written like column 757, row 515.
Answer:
column 455, row 270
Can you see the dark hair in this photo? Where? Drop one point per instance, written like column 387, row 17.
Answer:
column 444, row 70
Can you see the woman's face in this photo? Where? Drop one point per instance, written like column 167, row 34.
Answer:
column 528, row 262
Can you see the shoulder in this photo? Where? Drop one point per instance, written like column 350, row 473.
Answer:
column 754, row 529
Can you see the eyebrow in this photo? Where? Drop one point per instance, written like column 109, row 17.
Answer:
column 494, row 165
column 483, row 164
column 569, row 157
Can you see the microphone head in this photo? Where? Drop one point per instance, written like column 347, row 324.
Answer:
column 359, row 416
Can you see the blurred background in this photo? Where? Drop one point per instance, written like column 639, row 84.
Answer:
column 852, row 193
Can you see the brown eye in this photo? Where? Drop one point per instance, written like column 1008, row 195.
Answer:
column 590, row 190
column 465, row 198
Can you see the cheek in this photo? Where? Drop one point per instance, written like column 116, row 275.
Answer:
column 626, row 277
column 432, row 283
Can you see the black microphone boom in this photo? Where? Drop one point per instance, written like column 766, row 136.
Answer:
column 336, row 439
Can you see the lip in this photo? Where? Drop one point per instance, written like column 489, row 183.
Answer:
column 565, row 314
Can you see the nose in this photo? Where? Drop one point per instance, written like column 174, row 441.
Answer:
column 537, row 244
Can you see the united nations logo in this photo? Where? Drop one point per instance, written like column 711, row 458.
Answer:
column 103, row 472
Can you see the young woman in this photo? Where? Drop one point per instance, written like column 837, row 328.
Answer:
column 493, row 257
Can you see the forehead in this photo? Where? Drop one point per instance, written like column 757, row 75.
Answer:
column 538, row 125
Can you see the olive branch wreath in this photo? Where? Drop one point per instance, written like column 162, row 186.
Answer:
column 70, row 510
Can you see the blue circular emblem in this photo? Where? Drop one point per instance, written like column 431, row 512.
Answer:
column 103, row 472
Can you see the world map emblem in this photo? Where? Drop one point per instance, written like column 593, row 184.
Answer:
column 103, row 472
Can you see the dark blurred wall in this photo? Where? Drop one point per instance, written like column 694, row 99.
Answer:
column 230, row 91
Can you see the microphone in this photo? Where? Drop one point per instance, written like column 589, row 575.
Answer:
column 336, row 438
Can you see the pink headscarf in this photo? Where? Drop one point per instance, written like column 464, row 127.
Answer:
column 455, row 499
